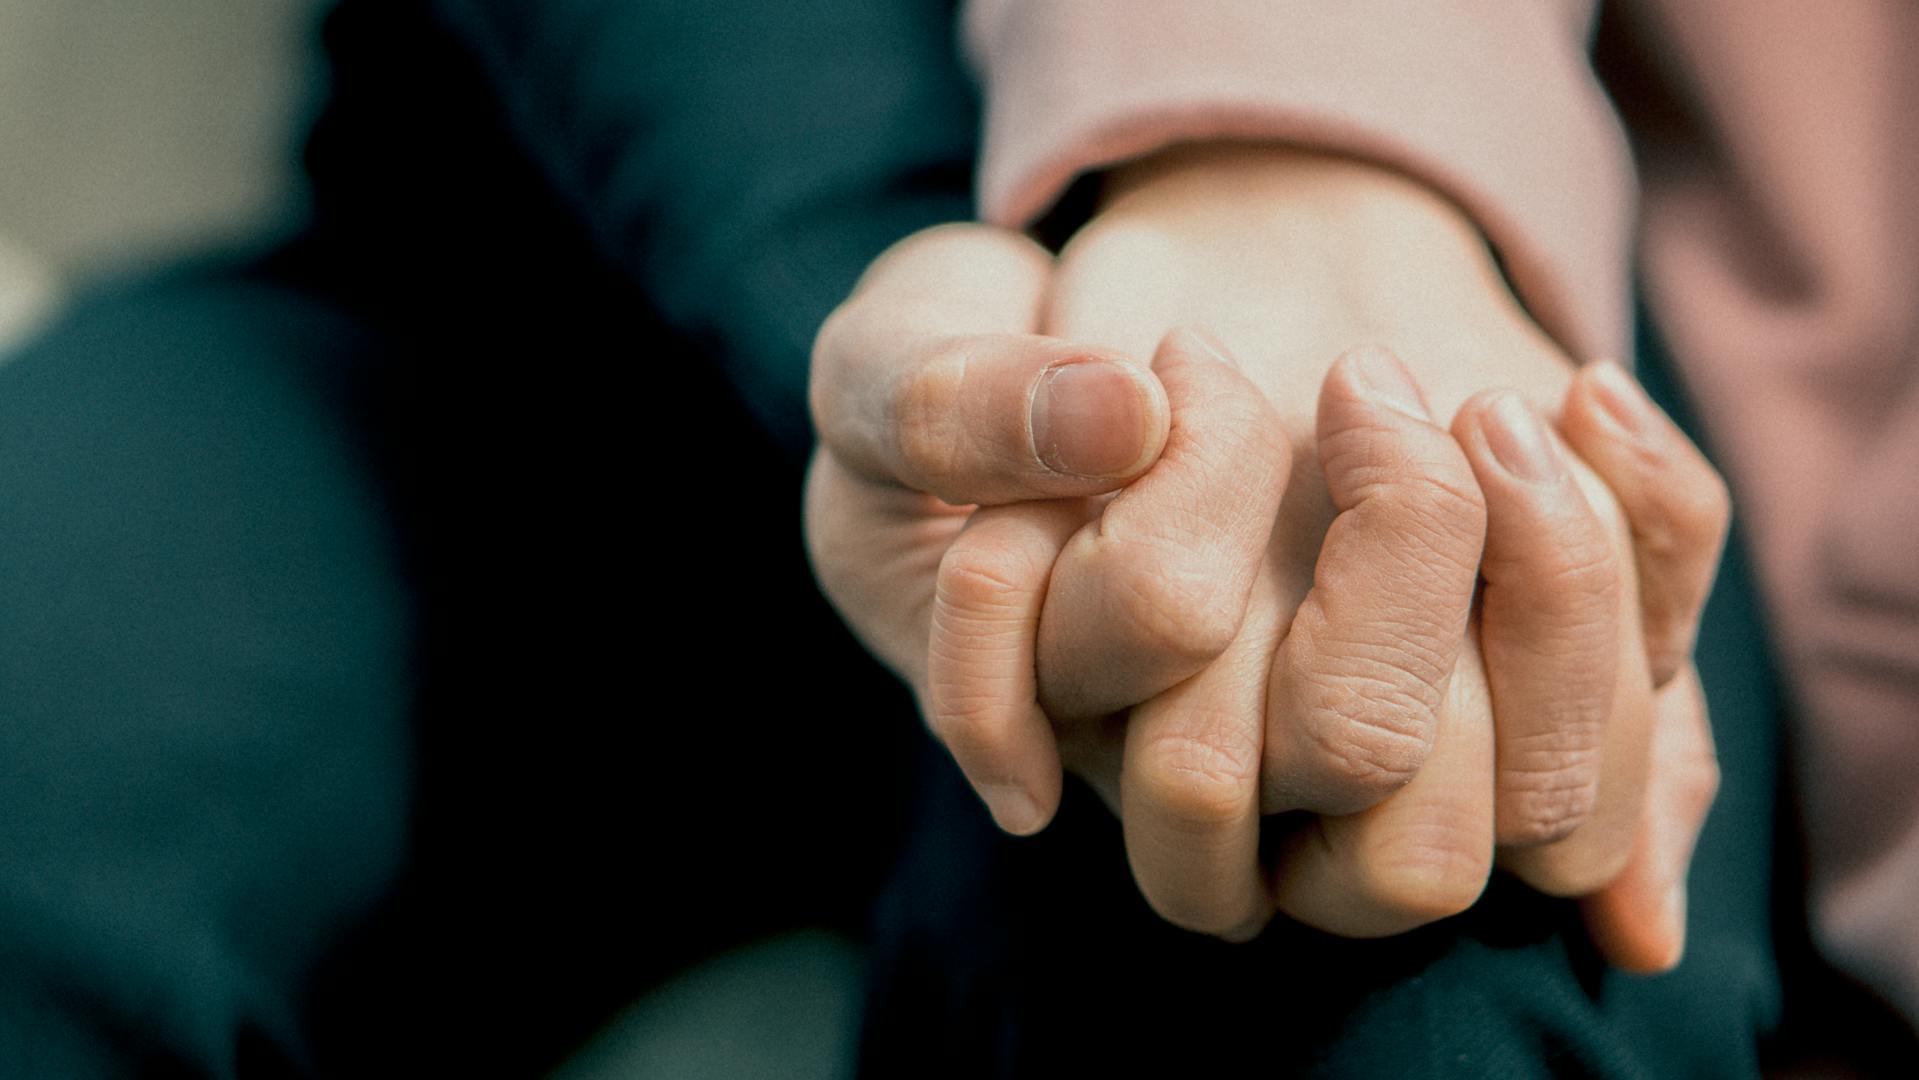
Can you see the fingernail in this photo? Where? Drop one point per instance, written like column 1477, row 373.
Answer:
column 1622, row 396
column 1213, row 347
column 1389, row 381
column 1089, row 418
column 1012, row 808
column 1519, row 440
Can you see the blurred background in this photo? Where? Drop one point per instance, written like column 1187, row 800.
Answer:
column 137, row 135
column 136, row 132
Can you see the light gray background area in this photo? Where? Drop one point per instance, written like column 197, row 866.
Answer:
column 133, row 128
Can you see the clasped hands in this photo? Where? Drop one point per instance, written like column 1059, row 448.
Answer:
column 1221, row 580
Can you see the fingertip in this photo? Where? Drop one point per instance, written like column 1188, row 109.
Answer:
column 1188, row 344
column 1637, row 932
column 1675, row 503
column 1375, row 430
column 1612, row 423
column 1015, row 809
column 1376, row 376
column 1622, row 399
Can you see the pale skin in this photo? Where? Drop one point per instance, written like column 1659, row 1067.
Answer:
column 1281, row 609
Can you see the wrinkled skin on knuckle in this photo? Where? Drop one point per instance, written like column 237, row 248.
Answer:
column 1197, row 784
column 1173, row 605
column 1433, row 485
column 1388, row 602
column 1549, row 791
column 929, row 432
column 979, row 581
column 1427, row 538
column 1369, row 732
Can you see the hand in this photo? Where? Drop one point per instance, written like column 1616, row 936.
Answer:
column 1548, row 582
column 1291, row 259
column 912, row 529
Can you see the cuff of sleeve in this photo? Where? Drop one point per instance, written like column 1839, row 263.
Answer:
column 1501, row 114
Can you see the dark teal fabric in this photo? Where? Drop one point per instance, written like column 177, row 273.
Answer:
column 204, row 677
column 740, row 160
column 409, row 655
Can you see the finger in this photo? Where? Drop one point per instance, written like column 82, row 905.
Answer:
column 928, row 376
column 1639, row 921
column 982, row 698
column 1596, row 852
column 1420, row 855
column 1157, row 588
column 1674, row 500
column 875, row 550
column 1355, row 684
column 1189, row 794
column 1549, row 620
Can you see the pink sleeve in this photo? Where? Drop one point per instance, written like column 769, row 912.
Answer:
column 1491, row 101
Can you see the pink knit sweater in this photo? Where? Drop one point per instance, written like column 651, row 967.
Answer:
column 1774, row 218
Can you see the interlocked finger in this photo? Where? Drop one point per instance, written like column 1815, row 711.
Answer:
column 1156, row 588
column 1549, row 620
column 1356, row 684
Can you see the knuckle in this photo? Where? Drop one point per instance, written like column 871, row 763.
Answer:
column 981, row 580
column 1435, row 483
column 1431, row 871
column 1198, row 785
column 1449, row 491
column 1368, row 737
column 1690, row 521
column 1705, row 508
column 1175, row 609
column 926, row 414
column 1541, row 806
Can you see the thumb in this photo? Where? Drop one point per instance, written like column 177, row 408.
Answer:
column 927, row 377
